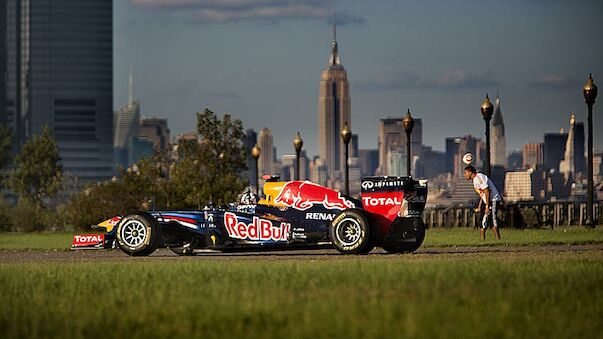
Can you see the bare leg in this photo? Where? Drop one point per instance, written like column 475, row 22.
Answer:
column 496, row 232
column 482, row 233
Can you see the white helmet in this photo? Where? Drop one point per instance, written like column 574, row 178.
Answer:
column 248, row 197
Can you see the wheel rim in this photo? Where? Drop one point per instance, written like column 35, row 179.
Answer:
column 348, row 232
column 133, row 233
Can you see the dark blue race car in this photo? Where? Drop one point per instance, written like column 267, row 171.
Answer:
column 292, row 215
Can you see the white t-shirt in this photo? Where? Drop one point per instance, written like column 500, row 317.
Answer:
column 481, row 182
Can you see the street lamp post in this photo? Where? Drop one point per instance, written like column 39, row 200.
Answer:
column 408, row 122
column 590, row 94
column 487, row 110
column 298, row 143
column 255, row 153
column 346, row 135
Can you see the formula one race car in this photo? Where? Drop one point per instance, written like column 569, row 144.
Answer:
column 292, row 215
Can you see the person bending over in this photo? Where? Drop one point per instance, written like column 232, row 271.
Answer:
column 489, row 196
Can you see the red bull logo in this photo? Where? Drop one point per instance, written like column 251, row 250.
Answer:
column 302, row 195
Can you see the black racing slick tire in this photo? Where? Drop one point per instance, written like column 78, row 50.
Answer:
column 138, row 234
column 351, row 233
column 408, row 247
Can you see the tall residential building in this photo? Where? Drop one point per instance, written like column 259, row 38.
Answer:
column 125, row 127
column 554, row 149
column 392, row 137
column 59, row 73
column 499, row 142
column 267, row 159
column 334, row 110
column 532, row 154
column 526, row 185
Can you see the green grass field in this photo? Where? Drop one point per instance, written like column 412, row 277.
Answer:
column 453, row 296
column 572, row 235
column 437, row 237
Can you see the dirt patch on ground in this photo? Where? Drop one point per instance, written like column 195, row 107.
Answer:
column 327, row 254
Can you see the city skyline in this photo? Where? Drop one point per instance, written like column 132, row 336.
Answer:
column 263, row 69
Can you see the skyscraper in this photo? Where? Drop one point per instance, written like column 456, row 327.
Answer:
column 368, row 160
column 3, row 55
column 334, row 110
column 457, row 147
column 553, row 149
column 499, row 142
column 452, row 148
column 515, row 160
column 532, row 155
column 125, row 127
column 288, row 163
column 157, row 131
column 392, row 137
column 251, row 139
column 267, row 159
column 432, row 164
column 59, row 73
column 568, row 164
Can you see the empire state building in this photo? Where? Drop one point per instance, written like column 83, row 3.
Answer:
column 334, row 110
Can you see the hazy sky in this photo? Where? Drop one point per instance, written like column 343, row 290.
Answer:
column 261, row 60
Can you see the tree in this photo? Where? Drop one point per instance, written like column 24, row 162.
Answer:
column 209, row 170
column 37, row 175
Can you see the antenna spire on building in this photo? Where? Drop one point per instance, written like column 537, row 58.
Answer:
column 131, row 87
column 334, row 59
column 334, row 27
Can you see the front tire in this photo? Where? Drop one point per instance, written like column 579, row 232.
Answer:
column 138, row 234
column 350, row 233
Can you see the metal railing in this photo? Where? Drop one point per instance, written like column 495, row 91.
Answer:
column 516, row 215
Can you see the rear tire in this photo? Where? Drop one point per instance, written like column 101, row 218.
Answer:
column 408, row 247
column 350, row 233
column 138, row 234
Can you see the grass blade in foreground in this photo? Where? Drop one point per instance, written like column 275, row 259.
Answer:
column 515, row 295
